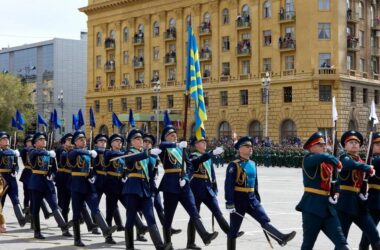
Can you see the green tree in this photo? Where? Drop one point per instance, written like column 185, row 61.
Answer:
column 14, row 95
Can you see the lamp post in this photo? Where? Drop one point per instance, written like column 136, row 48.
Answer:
column 157, row 89
column 266, row 83
column 60, row 102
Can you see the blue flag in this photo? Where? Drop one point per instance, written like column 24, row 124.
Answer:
column 14, row 123
column 19, row 118
column 75, row 122
column 57, row 121
column 115, row 120
column 131, row 119
column 41, row 120
column 80, row 118
column 167, row 121
column 51, row 120
column 92, row 119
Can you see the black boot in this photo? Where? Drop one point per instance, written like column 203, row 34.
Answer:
column 167, row 235
column 107, row 231
column 19, row 215
column 28, row 216
column 281, row 238
column 118, row 221
column 225, row 227
column 37, row 227
column 361, row 247
column 87, row 219
column 376, row 246
column 46, row 209
column 62, row 224
column 161, row 217
column 141, row 229
column 77, row 239
column 206, row 237
column 231, row 244
column 110, row 240
column 346, row 247
column 129, row 239
column 191, row 237
column 156, row 238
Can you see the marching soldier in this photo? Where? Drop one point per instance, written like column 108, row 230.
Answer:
column 26, row 172
column 82, row 186
column 149, row 141
column 373, row 202
column 138, row 189
column 42, row 186
column 3, row 189
column 8, row 169
column 63, row 178
column 204, row 186
column 175, row 185
column 317, row 207
column 242, row 196
column 351, row 208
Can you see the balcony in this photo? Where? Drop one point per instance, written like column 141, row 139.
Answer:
column 205, row 55
column 326, row 71
column 375, row 51
column 170, row 34
column 225, row 78
column 353, row 44
column 98, row 86
column 170, row 81
column 287, row 16
column 287, row 44
column 125, row 83
column 139, row 83
column 170, row 59
column 375, row 24
column 111, row 84
column 243, row 23
column 205, row 29
column 138, row 40
column 109, row 43
column 138, row 63
column 109, row 66
column 244, row 50
column 288, row 72
column 352, row 17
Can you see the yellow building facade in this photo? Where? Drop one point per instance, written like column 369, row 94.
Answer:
column 313, row 50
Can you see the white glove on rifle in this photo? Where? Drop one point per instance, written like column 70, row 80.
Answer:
column 182, row 182
column 155, row 151
column 124, row 180
column 218, row 151
column 92, row 180
column 93, row 153
column 182, row 144
column 333, row 200
column 49, row 178
column 52, row 154
column 231, row 210
column 16, row 152
column 363, row 197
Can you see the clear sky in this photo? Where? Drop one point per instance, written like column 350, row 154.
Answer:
column 30, row 21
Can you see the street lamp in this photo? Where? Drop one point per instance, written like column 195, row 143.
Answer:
column 157, row 89
column 266, row 83
column 60, row 102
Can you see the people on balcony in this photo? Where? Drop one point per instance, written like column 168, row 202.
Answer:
column 110, row 65
column 282, row 13
column 286, row 42
column 139, row 36
column 170, row 56
column 206, row 73
column 109, row 42
column 155, row 78
column 325, row 65
column 349, row 13
column 352, row 41
column 244, row 46
column 205, row 26
column 138, row 60
column 171, row 32
column 242, row 20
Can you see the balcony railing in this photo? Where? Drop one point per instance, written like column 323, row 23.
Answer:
column 109, row 66
column 352, row 17
column 109, row 43
column 137, row 64
column 205, row 29
column 353, row 45
column 326, row 71
column 138, row 40
column 170, row 34
column 243, row 51
column 287, row 16
column 375, row 24
column 205, row 55
column 287, row 44
column 169, row 60
column 243, row 23
column 375, row 51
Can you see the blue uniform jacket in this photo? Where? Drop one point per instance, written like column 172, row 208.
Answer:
column 63, row 175
column 201, row 181
column 100, row 169
column 42, row 165
column 374, row 185
column 154, row 163
column 172, row 167
column 314, row 203
column 80, row 162
column 8, row 165
column 27, row 171
column 115, row 171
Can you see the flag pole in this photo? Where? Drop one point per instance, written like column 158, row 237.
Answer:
column 184, row 133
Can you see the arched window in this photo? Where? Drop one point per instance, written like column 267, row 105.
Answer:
column 172, row 23
column 256, row 130
column 348, row 3
column 267, row 9
column 288, row 130
column 352, row 125
column 226, row 16
column 112, row 34
column 224, row 131
column 245, row 10
column 125, row 34
column 372, row 15
column 188, row 20
column 156, row 29
column 141, row 28
column 206, row 17
column 99, row 39
column 361, row 10
column 103, row 129
column 289, row 6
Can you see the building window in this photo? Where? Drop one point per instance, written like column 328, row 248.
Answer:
column 267, row 9
column 288, row 131
column 110, row 105
column 244, row 97
column 156, row 29
column 288, row 94
column 226, row 69
column 226, row 43
column 154, row 102
column 97, row 106
column 361, row 38
column 353, row 94
column 171, row 74
column 98, row 83
column 112, row 34
column 362, row 65
column 267, row 37
column 125, row 80
column 365, row 95
column 224, row 131
column 125, row 34
column 376, row 94
column 188, row 20
column 98, row 62
column 324, row 30
column 99, row 39
column 170, row 101
column 267, row 64
column 361, row 10
column 225, row 16
column 156, row 76
column 256, row 130
column 206, row 98
column 246, row 67
column 324, row 60
column 140, row 77
column 125, row 57
column 245, row 12
column 324, row 4
column 223, row 98
column 124, row 105
column 207, row 70
column 350, row 62
column 138, row 103
column 156, row 53
column 289, row 62
column 325, row 93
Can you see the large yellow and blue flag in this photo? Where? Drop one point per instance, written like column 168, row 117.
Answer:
column 194, row 84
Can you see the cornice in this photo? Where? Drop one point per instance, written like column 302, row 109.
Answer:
column 102, row 6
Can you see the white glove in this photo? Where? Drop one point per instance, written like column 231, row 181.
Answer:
column 16, row 152
column 124, row 180
column 231, row 210
column 182, row 144
column 182, row 182
column 92, row 180
column 333, row 200
column 93, row 153
column 363, row 197
column 373, row 172
column 13, row 175
column 52, row 153
column 155, row 151
column 218, row 151
column 49, row 178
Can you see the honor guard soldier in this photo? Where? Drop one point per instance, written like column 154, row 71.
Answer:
column 373, row 202
column 242, row 195
column 82, row 186
column 41, row 184
column 26, row 172
column 175, row 185
column 8, row 169
column 350, row 206
column 149, row 141
column 317, row 206
column 63, row 177
column 138, row 189
column 204, row 186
